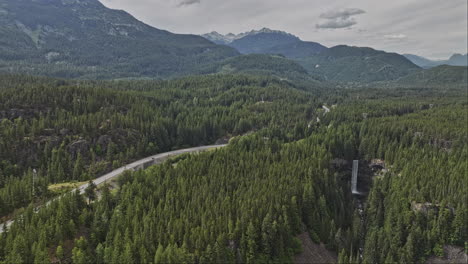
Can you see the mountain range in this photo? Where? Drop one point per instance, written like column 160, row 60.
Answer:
column 85, row 39
column 358, row 64
column 231, row 37
column 454, row 60
column 77, row 38
column 267, row 41
column 340, row 63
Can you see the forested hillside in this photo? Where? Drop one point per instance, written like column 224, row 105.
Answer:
column 84, row 39
column 439, row 76
column 419, row 206
column 339, row 63
column 124, row 143
column 259, row 64
column 357, row 64
column 239, row 205
column 260, row 42
column 245, row 203
column 75, row 131
column 417, row 203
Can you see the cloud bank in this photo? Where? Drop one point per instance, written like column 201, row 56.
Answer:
column 182, row 3
column 342, row 13
column 341, row 18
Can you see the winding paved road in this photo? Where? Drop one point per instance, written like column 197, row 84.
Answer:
column 140, row 164
column 137, row 165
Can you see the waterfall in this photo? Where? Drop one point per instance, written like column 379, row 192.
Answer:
column 354, row 178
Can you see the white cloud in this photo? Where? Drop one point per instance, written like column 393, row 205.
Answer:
column 337, row 23
column 339, row 18
column 343, row 13
column 187, row 2
column 395, row 36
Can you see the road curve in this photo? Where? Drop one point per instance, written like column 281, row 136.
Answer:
column 137, row 165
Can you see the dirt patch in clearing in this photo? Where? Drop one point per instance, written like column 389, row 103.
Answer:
column 313, row 253
column 452, row 254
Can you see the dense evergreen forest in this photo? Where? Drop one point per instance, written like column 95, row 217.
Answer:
column 245, row 203
column 75, row 131
column 283, row 124
column 418, row 204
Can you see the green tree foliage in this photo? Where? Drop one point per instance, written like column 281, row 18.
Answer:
column 90, row 191
column 416, row 207
column 244, row 203
column 203, row 210
column 75, row 131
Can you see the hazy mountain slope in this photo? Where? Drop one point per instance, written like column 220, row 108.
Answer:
column 458, row 60
column 440, row 75
column 267, row 41
column 345, row 63
column 84, row 38
column 454, row 60
column 298, row 49
column 261, row 43
column 420, row 61
column 340, row 63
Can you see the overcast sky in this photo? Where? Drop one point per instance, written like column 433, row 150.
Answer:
column 431, row 28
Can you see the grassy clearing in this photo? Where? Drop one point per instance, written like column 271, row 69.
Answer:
column 61, row 188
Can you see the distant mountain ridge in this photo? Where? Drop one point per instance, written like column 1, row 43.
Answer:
column 262, row 42
column 267, row 41
column 439, row 75
column 454, row 60
column 230, row 37
column 358, row 64
column 339, row 63
column 85, row 39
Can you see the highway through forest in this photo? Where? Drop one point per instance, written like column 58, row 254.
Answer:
column 137, row 165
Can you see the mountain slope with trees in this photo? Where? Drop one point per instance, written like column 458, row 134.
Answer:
column 244, row 204
column 259, row 64
column 84, row 39
column 247, row 202
column 357, row 64
column 260, row 43
column 77, row 130
column 285, row 174
column 339, row 64
column 416, row 206
column 438, row 76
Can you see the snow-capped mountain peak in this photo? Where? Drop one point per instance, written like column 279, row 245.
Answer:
column 230, row 37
